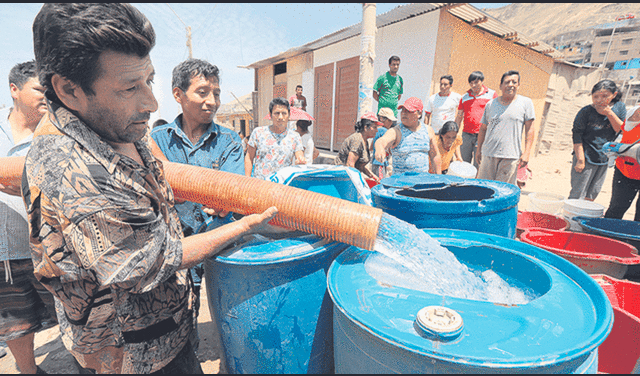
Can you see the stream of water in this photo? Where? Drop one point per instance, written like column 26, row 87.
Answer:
column 419, row 262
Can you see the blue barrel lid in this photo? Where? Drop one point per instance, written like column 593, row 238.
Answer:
column 568, row 321
column 616, row 228
column 504, row 195
column 260, row 250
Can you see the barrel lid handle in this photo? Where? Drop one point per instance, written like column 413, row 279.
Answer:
column 440, row 322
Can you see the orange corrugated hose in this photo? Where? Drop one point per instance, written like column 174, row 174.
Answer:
column 298, row 209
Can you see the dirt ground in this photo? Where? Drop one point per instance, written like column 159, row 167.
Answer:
column 551, row 174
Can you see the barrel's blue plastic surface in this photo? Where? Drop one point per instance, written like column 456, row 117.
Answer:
column 342, row 182
column 269, row 299
column 620, row 229
column 441, row 201
column 332, row 183
column 557, row 332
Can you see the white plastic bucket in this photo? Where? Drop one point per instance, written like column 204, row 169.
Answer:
column 462, row 169
column 549, row 203
column 574, row 207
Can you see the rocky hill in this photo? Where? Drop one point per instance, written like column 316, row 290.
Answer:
column 545, row 20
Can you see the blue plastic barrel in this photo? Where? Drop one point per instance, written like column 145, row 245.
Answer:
column 441, row 201
column 376, row 328
column 342, row 182
column 269, row 299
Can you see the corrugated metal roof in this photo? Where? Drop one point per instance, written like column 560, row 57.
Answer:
column 464, row 11
column 484, row 21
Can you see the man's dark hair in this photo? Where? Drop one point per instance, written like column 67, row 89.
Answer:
column 477, row 75
column 68, row 39
column 159, row 122
column 281, row 102
column 304, row 125
column 510, row 73
column 21, row 73
column 299, row 86
column 449, row 78
column 191, row 68
column 394, row 58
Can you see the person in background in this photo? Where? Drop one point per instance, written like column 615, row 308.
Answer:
column 105, row 237
column 442, row 107
column 310, row 151
column 626, row 176
column 412, row 144
column 388, row 120
column 449, row 142
column 470, row 111
column 159, row 122
column 499, row 152
column 354, row 151
column 389, row 87
column 298, row 100
column 273, row 147
column 27, row 307
column 593, row 126
column 194, row 138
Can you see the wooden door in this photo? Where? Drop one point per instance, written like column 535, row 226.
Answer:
column 323, row 106
column 347, row 79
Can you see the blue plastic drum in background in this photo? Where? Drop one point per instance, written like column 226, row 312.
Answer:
column 378, row 325
column 342, row 182
column 441, row 201
column 269, row 299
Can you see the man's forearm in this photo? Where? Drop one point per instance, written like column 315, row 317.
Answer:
column 196, row 248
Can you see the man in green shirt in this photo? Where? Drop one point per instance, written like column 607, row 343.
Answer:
column 388, row 87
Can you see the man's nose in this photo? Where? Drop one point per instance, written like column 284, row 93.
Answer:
column 149, row 102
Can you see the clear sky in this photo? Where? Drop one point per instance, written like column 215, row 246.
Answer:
column 226, row 34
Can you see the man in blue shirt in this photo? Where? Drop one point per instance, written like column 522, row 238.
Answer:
column 26, row 306
column 194, row 138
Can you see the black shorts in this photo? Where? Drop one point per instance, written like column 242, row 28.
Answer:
column 27, row 307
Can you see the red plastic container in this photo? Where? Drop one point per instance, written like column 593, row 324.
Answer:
column 619, row 353
column 528, row 220
column 592, row 253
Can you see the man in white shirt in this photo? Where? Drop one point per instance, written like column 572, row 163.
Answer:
column 443, row 106
column 500, row 152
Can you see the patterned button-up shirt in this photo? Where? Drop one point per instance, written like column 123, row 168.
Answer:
column 106, row 241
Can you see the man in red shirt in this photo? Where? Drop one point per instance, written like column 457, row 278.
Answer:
column 470, row 111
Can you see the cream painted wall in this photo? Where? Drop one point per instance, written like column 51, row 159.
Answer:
column 265, row 92
column 414, row 41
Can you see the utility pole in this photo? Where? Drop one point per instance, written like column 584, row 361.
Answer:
column 188, row 32
column 367, row 57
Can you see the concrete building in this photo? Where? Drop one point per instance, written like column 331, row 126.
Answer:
column 624, row 38
column 575, row 45
column 432, row 39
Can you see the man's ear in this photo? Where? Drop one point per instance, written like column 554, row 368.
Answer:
column 69, row 93
column 177, row 94
column 14, row 91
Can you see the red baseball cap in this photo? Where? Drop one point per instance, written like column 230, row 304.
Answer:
column 412, row 104
column 371, row 116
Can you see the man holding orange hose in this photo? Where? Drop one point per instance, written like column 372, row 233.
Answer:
column 104, row 234
column 194, row 138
